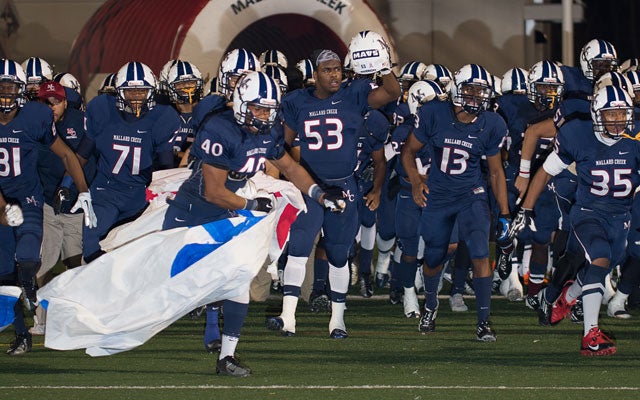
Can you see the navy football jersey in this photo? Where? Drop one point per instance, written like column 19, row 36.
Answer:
column 20, row 143
column 457, row 150
column 373, row 136
column 127, row 149
column 576, row 98
column 222, row 143
column 518, row 113
column 50, row 167
column 607, row 175
column 328, row 129
column 185, row 135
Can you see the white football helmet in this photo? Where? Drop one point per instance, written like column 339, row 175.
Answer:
column 496, row 85
column 615, row 79
column 634, row 78
column 108, row 85
column 515, row 81
column 37, row 71
column 440, row 74
column 546, row 84
column 135, row 75
column 423, row 91
column 612, row 98
column 185, row 83
column 275, row 58
column 259, row 89
column 305, row 66
column 163, row 76
column 278, row 75
column 235, row 63
column 598, row 57
column 410, row 73
column 472, row 88
column 12, row 96
column 67, row 80
column 369, row 53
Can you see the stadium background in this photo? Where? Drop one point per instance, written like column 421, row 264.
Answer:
column 498, row 34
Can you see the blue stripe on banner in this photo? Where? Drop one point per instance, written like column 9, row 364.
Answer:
column 7, row 315
column 44, row 304
column 221, row 232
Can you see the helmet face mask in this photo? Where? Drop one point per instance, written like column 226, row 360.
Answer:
column 12, row 86
column 546, row 85
column 597, row 57
column 472, row 88
column 184, row 82
column 135, row 87
column 612, row 113
column 256, row 100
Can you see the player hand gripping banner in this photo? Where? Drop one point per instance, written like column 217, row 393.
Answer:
column 128, row 295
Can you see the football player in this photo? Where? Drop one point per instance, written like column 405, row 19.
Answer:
column 25, row 127
column 127, row 132
column 229, row 149
column 327, row 119
column 459, row 133
column 606, row 166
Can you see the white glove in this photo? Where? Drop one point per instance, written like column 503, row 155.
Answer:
column 13, row 215
column 84, row 202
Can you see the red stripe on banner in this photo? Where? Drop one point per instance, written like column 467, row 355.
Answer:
column 287, row 217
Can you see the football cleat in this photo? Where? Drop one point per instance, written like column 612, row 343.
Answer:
column 277, row 324
column 382, row 280
column 457, row 303
column 484, row 333
column 577, row 313
column 503, row 265
column 427, row 322
column 395, row 296
column 597, row 343
column 339, row 334
column 617, row 309
column 366, row 290
column 532, row 302
column 319, row 302
column 197, row 313
column 231, row 367
column 561, row 308
column 21, row 345
column 544, row 310
column 213, row 346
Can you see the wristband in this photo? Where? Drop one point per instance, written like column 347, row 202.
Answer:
column 525, row 168
column 315, row 192
column 67, row 181
column 251, row 204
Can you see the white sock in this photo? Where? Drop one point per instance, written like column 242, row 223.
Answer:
column 367, row 237
column 591, row 307
column 339, row 278
column 289, row 306
column 337, row 316
column 574, row 291
column 294, row 270
column 228, row 348
column 382, row 264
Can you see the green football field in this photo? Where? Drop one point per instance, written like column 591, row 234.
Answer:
column 384, row 358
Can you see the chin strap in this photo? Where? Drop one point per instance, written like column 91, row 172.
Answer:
column 627, row 136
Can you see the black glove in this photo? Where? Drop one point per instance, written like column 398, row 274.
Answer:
column 503, row 239
column 61, row 195
column 334, row 199
column 263, row 204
